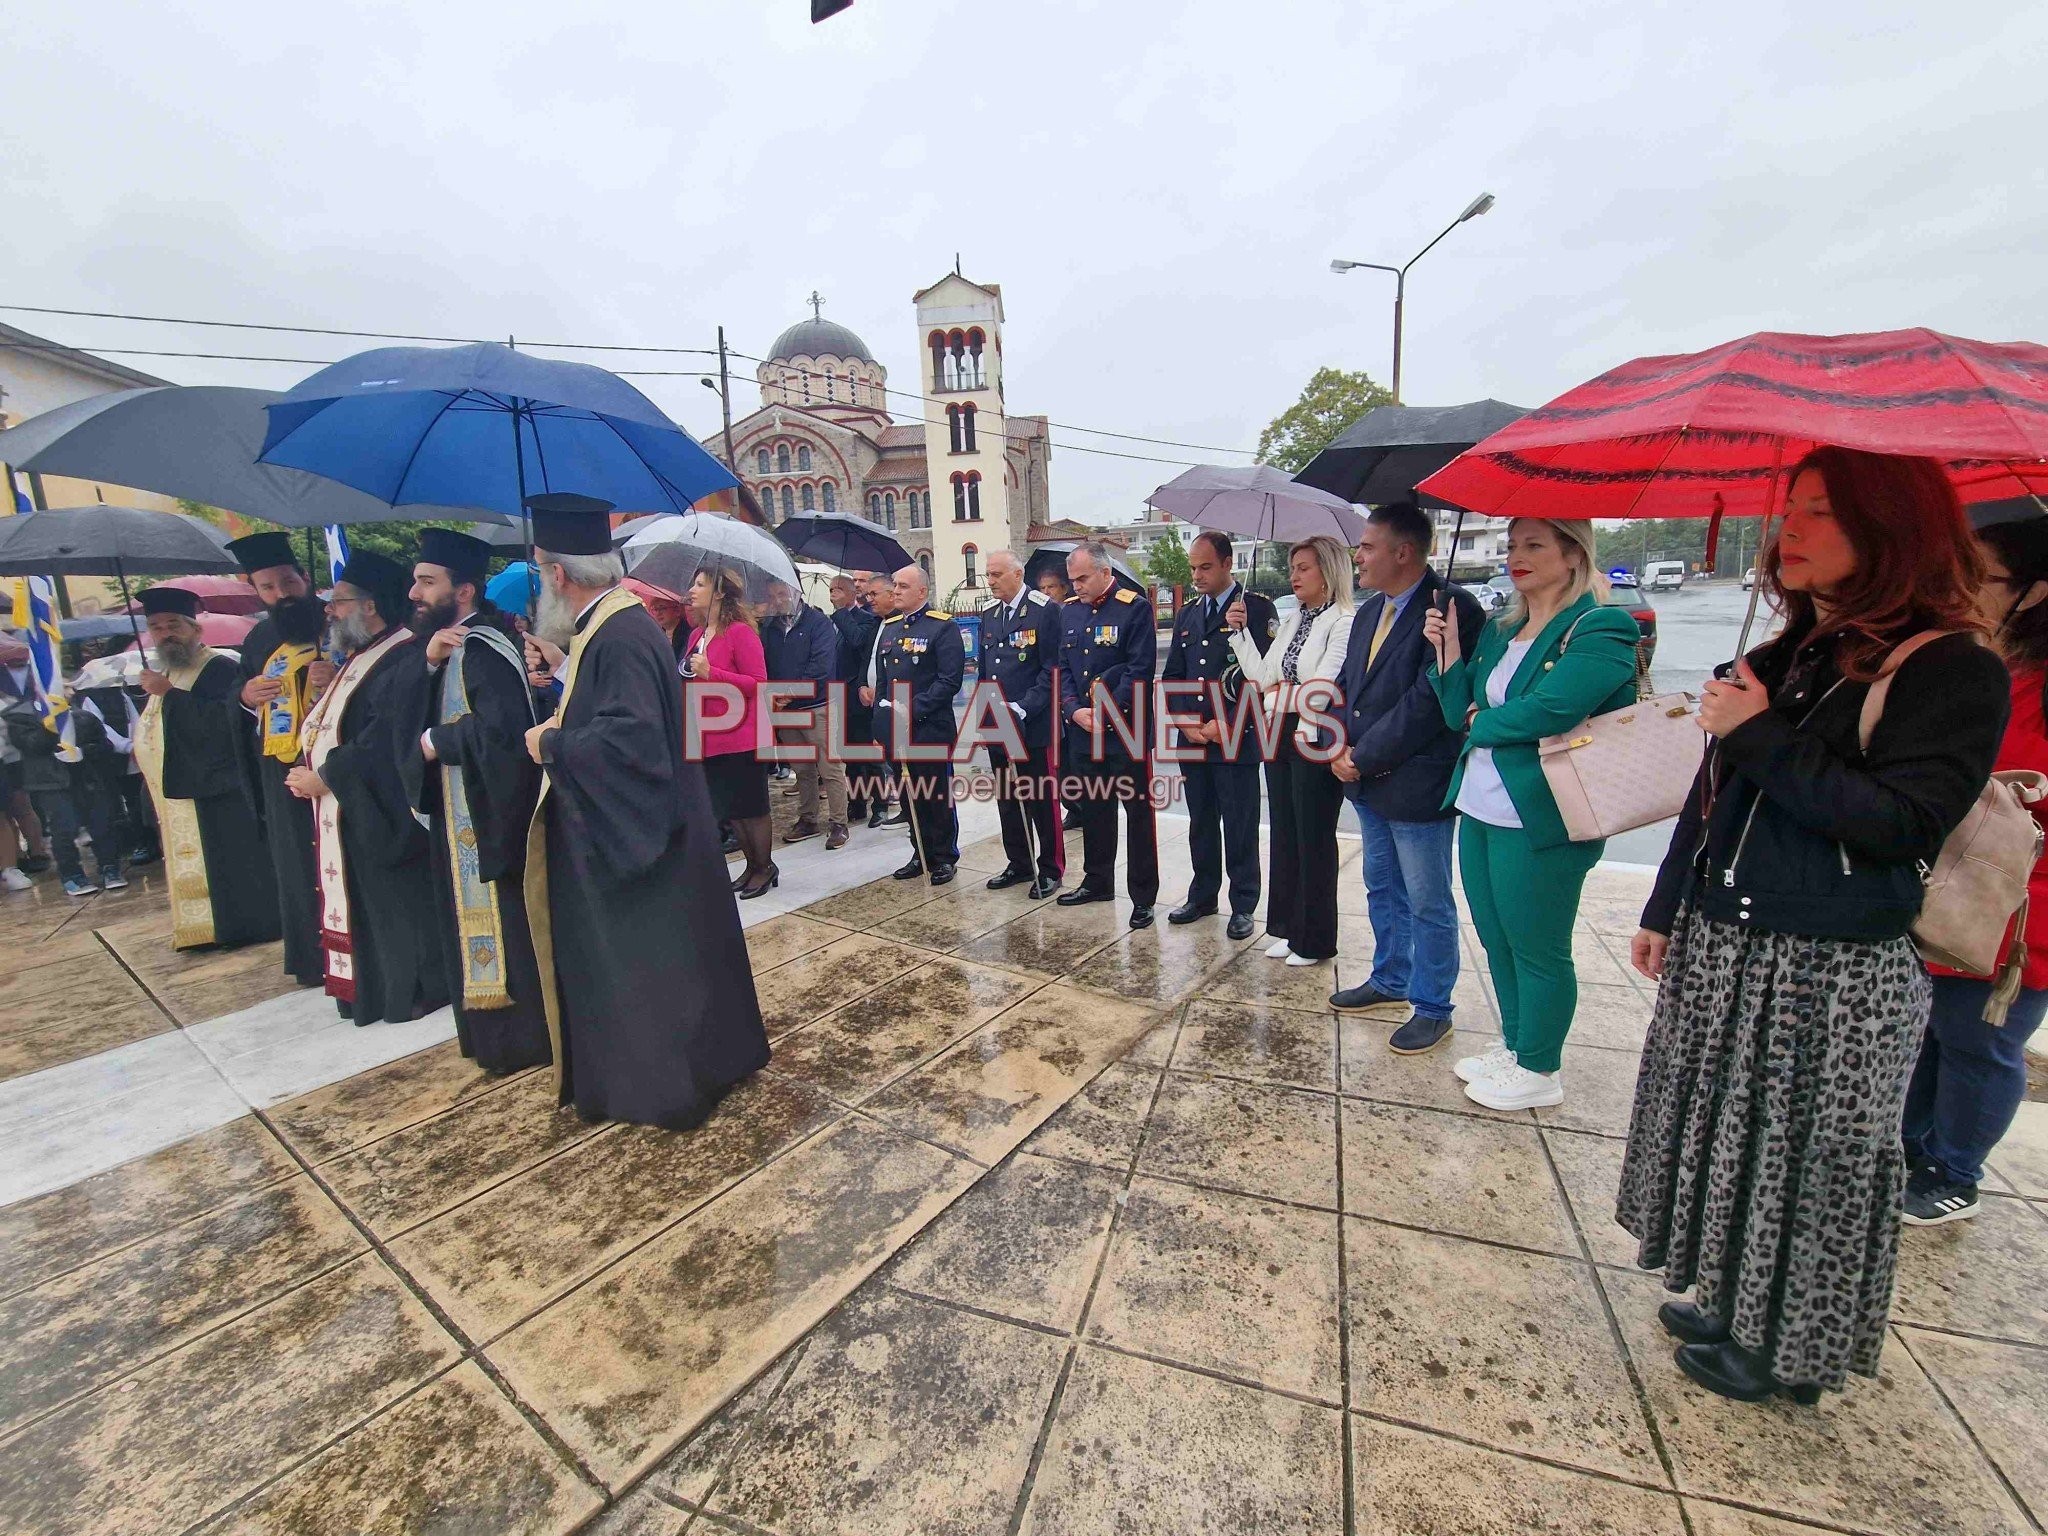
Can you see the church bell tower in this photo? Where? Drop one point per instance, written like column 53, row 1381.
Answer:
column 959, row 336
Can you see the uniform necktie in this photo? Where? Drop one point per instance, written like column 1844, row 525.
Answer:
column 1379, row 634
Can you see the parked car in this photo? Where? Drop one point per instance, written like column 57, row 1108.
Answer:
column 1623, row 580
column 1645, row 617
column 1749, row 578
column 1494, row 593
column 1664, row 575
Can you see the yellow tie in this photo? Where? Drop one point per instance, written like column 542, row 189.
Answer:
column 1379, row 635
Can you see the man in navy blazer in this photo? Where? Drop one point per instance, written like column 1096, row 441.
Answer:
column 1397, row 774
column 1020, row 646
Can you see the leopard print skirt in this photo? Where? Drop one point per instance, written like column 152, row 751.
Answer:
column 1764, row 1165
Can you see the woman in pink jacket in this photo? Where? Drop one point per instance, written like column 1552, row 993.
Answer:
column 724, row 647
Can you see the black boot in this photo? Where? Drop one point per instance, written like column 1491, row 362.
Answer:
column 1729, row 1370
column 1687, row 1323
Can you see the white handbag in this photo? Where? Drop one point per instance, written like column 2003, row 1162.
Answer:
column 1625, row 769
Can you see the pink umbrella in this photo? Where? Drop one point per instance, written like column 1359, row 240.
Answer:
column 222, row 629
column 216, row 594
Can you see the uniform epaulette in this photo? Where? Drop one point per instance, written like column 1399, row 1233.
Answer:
column 1075, row 598
column 1038, row 597
column 892, row 618
column 935, row 614
column 1126, row 595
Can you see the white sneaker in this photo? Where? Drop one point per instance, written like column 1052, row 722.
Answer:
column 1278, row 951
column 1516, row 1087
column 1294, row 959
column 14, row 880
column 1488, row 1063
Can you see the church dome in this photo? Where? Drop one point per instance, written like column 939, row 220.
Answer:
column 820, row 338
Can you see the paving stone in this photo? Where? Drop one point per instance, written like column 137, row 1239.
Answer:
column 1978, row 1276
column 1102, row 1123
column 2001, row 1390
column 1406, row 1483
column 1453, row 1173
column 1277, row 1142
column 1259, row 1044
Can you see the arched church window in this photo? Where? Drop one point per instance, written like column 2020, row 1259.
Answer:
column 874, row 506
column 967, row 553
column 829, row 496
column 782, row 458
column 803, row 455
column 937, row 342
column 959, row 498
column 810, row 497
column 924, row 561
column 831, row 383
column 889, row 510
column 976, row 374
column 966, row 444
column 953, row 428
column 761, row 461
column 788, row 502
column 973, row 496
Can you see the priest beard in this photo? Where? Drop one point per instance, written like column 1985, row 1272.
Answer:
column 177, row 653
column 298, row 619
column 553, row 619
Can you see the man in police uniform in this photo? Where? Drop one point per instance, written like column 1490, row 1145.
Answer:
column 921, row 651
column 1106, row 639
column 1020, row 645
column 1222, row 791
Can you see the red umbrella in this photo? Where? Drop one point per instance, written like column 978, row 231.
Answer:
column 216, row 594
column 1711, row 432
column 222, row 629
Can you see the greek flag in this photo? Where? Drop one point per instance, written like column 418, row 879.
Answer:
column 337, row 551
column 35, row 609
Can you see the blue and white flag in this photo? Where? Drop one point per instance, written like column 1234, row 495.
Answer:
column 337, row 551
column 35, row 610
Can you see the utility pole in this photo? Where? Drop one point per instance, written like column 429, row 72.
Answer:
column 725, row 398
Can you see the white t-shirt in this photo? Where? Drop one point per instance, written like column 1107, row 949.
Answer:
column 1482, row 795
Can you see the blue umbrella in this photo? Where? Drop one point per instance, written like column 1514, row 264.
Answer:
column 396, row 420
column 513, row 589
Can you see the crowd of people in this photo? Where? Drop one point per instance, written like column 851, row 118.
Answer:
column 525, row 819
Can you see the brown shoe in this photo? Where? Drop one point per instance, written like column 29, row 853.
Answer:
column 803, row 829
column 836, row 838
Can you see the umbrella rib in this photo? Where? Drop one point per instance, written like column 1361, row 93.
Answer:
column 674, row 491
column 419, row 443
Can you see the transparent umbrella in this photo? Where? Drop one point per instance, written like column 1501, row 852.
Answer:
column 668, row 553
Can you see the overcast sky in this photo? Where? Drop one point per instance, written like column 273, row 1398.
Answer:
column 1157, row 186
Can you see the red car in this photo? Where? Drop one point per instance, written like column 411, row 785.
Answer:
column 1645, row 617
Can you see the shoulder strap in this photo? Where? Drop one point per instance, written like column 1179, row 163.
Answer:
column 1873, row 701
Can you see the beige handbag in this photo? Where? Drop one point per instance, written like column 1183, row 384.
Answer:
column 1627, row 768
column 1978, row 883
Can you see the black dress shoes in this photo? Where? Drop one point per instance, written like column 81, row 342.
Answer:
column 1080, row 896
column 1141, row 917
column 1043, row 887
column 897, row 818
column 1729, row 1370
column 909, row 871
column 1687, row 1323
column 942, row 874
column 1008, row 878
column 1240, row 926
column 1188, row 912
column 878, row 817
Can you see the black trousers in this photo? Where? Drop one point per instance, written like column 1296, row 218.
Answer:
column 1029, row 811
column 1223, row 831
column 1104, row 786
column 1304, row 800
column 63, row 811
column 864, row 781
column 935, row 836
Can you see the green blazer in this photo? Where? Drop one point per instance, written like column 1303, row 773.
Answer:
column 1553, row 690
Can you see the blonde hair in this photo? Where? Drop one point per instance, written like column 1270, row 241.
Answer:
column 1572, row 532
column 1334, row 562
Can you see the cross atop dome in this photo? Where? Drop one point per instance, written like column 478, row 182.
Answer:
column 817, row 303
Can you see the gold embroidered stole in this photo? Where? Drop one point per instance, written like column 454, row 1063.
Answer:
column 283, row 717
column 322, row 734
column 538, row 916
column 480, row 927
column 184, row 853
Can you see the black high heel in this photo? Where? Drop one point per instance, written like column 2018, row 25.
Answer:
column 1688, row 1324
column 1729, row 1370
column 749, row 892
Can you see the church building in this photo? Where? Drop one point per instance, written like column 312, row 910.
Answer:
column 957, row 480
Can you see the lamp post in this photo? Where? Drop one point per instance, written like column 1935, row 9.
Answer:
column 1476, row 207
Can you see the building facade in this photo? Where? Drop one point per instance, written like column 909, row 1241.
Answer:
column 957, row 481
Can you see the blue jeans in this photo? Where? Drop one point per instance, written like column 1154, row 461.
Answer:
column 1414, row 919
column 1970, row 1078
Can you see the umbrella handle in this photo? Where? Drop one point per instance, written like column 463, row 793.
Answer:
column 127, row 602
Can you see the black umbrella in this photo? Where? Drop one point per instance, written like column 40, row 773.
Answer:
column 1052, row 556
column 111, row 541
column 841, row 539
column 1382, row 456
column 2020, row 509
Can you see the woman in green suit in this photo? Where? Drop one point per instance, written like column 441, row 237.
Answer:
column 1552, row 657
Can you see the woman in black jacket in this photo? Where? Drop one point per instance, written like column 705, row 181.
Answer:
column 1764, row 1163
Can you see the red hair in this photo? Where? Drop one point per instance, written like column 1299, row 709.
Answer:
column 1917, row 563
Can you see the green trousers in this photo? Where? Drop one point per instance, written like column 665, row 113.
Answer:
column 1524, row 903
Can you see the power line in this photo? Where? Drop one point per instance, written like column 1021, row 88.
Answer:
column 562, row 346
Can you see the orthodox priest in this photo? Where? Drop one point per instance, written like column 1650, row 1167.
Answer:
column 282, row 673
column 222, row 887
column 472, row 783
column 377, row 920
column 642, row 963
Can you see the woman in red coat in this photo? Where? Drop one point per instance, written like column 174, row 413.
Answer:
column 724, row 647
column 1972, row 1074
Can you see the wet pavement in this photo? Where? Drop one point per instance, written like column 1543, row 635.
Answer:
column 1034, row 1224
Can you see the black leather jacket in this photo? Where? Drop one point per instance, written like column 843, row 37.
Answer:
column 1792, row 828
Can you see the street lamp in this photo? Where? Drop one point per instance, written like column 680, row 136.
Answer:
column 1476, row 207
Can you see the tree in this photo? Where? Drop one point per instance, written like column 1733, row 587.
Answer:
column 399, row 540
column 1331, row 402
column 1166, row 563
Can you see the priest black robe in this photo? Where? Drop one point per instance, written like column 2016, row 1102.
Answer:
column 287, row 824
column 487, row 747
column 652, row 1002
column 200, row 727
column 392, row 925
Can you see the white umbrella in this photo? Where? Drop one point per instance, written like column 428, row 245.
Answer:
column 668, row 553
column 1260, row 502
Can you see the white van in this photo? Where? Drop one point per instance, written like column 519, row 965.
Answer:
column 1663, row 575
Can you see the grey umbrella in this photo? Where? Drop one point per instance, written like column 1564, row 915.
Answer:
column 1257, row 502
column 111, row 541
column 1387, row 452
column 200, row 443
column 669, row 551
column 636, row 525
